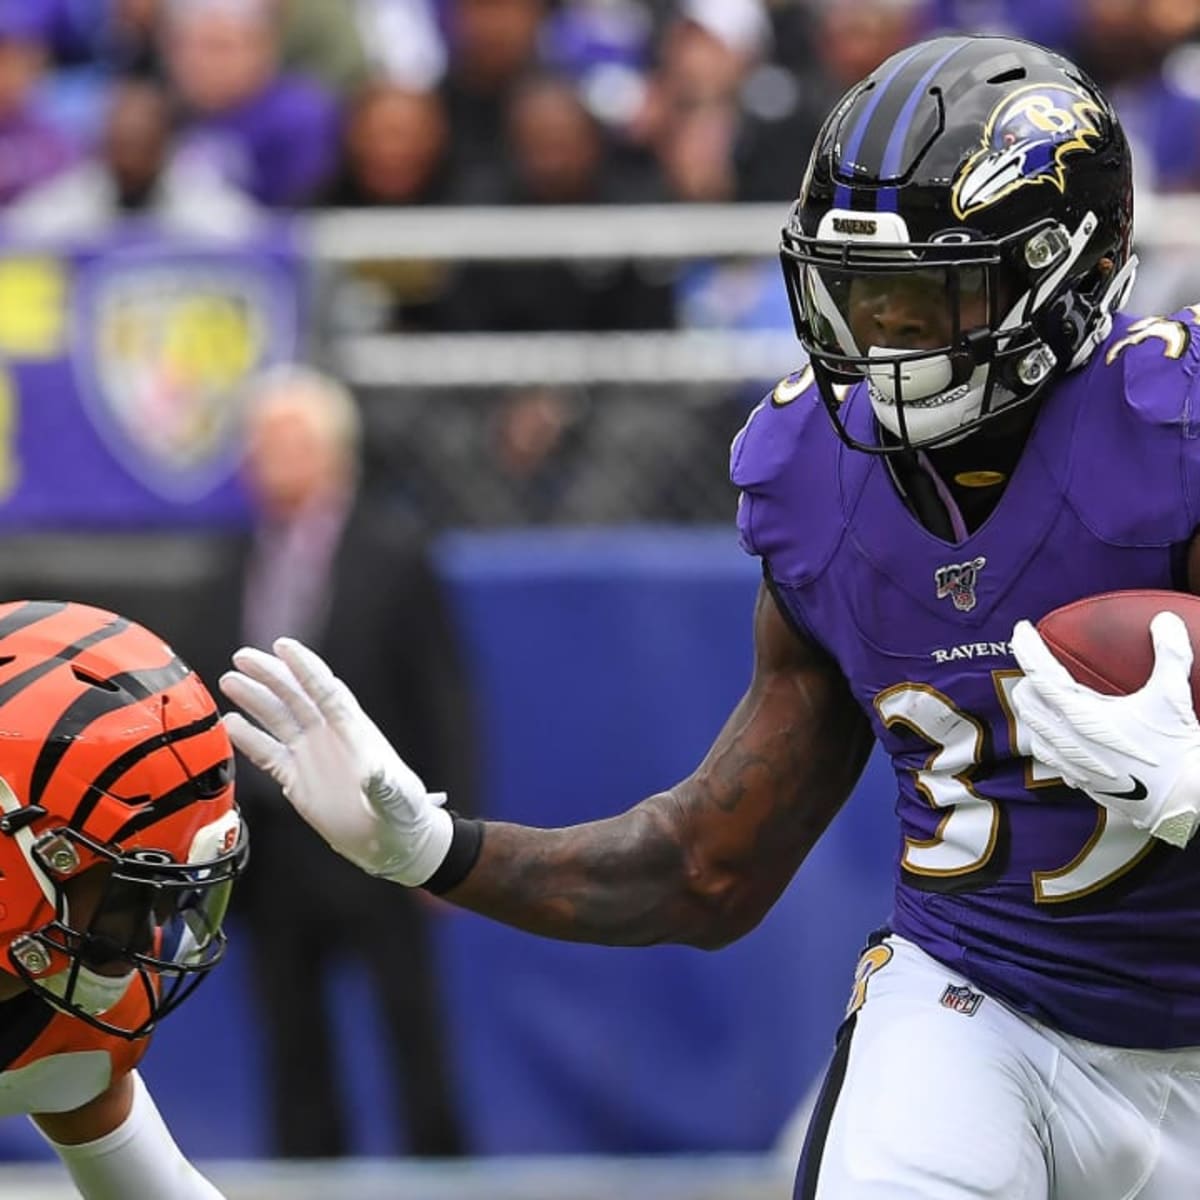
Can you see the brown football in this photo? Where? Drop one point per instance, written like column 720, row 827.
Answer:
column 1104, row 640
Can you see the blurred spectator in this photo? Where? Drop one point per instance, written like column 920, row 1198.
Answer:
column 558, row 152
column 126, row 34
column 132, row 175
column 327, row 566
column 1114, row 46
column 273, row 135
column 1154, row 82
column 854, row 36
column 818, row 52
column 323, row 40
column 493, row 45
column 31, row 148
column 396, row 153
column 698, row 68
column 710, row 46
column 696, row 154
column 402, row 41
column 558, row 156
column 692, row 110
column 395, row 149
column 1137, row 52
column 605, row 48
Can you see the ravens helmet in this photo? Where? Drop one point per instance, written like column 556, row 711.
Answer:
column 119, row 835
column 962, row 236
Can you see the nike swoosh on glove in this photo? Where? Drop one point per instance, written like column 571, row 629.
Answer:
column 1138, row 755
column 334, row 765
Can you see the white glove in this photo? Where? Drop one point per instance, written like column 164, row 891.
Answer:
column 1138, row 755
column 339, row 772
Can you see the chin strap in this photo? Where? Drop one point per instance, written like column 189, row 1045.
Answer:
column 923, row 490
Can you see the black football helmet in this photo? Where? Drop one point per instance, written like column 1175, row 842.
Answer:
column 962, row 236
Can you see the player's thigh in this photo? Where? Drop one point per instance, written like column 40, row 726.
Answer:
column 931, row 1095
column 1177, row 1170
column 1164, row 1140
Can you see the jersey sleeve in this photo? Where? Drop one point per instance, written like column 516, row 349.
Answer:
column 1149, row 434
column 783, row 462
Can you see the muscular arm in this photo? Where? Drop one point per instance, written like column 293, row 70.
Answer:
column 703, row 862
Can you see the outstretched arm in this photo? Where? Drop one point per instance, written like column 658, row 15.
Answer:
column 701, row 863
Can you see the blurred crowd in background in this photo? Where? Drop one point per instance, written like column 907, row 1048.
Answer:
column 211, row 117
column 303, row 103
column 217, row 118
column 212, row 110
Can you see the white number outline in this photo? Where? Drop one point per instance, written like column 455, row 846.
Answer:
column 915, row 706
column 1174, row 334
column 945, row 781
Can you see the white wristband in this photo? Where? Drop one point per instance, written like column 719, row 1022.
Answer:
column 138, row 1158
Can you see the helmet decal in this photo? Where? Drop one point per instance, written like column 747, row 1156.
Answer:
column 106, row 696
column 1026, row 140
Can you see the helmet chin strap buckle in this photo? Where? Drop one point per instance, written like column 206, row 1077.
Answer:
column 31, row 954
column 1035, row 365
column 58, row 854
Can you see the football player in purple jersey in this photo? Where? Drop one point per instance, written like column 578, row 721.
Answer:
column 978, row 438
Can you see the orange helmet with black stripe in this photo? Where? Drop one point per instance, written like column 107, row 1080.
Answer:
column 119, row 835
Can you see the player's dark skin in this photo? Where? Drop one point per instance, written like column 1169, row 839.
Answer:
column 703, row 862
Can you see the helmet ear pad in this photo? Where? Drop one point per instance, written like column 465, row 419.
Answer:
column 1067, row 321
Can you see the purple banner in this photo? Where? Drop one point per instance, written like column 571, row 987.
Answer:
column 122, row 370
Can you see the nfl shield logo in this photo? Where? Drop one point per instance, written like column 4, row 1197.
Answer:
column 962, row 999
column 958, row 580
column 165, row 349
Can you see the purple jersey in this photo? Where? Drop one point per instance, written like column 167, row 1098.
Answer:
column 31, row 151
column 1025, row 886
column 280, row 146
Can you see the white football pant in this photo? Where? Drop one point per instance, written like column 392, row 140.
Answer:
column 940, row 1092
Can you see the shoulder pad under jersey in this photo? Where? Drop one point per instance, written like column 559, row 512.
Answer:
column 766, row 443
column 784, row 460
column 1157, row 359
column 1142, row 417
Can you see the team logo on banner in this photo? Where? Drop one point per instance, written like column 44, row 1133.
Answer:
column 163, row 349
column 1027, row 140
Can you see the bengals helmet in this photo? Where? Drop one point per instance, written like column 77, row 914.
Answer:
column 983, row 187
column 119, row 836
